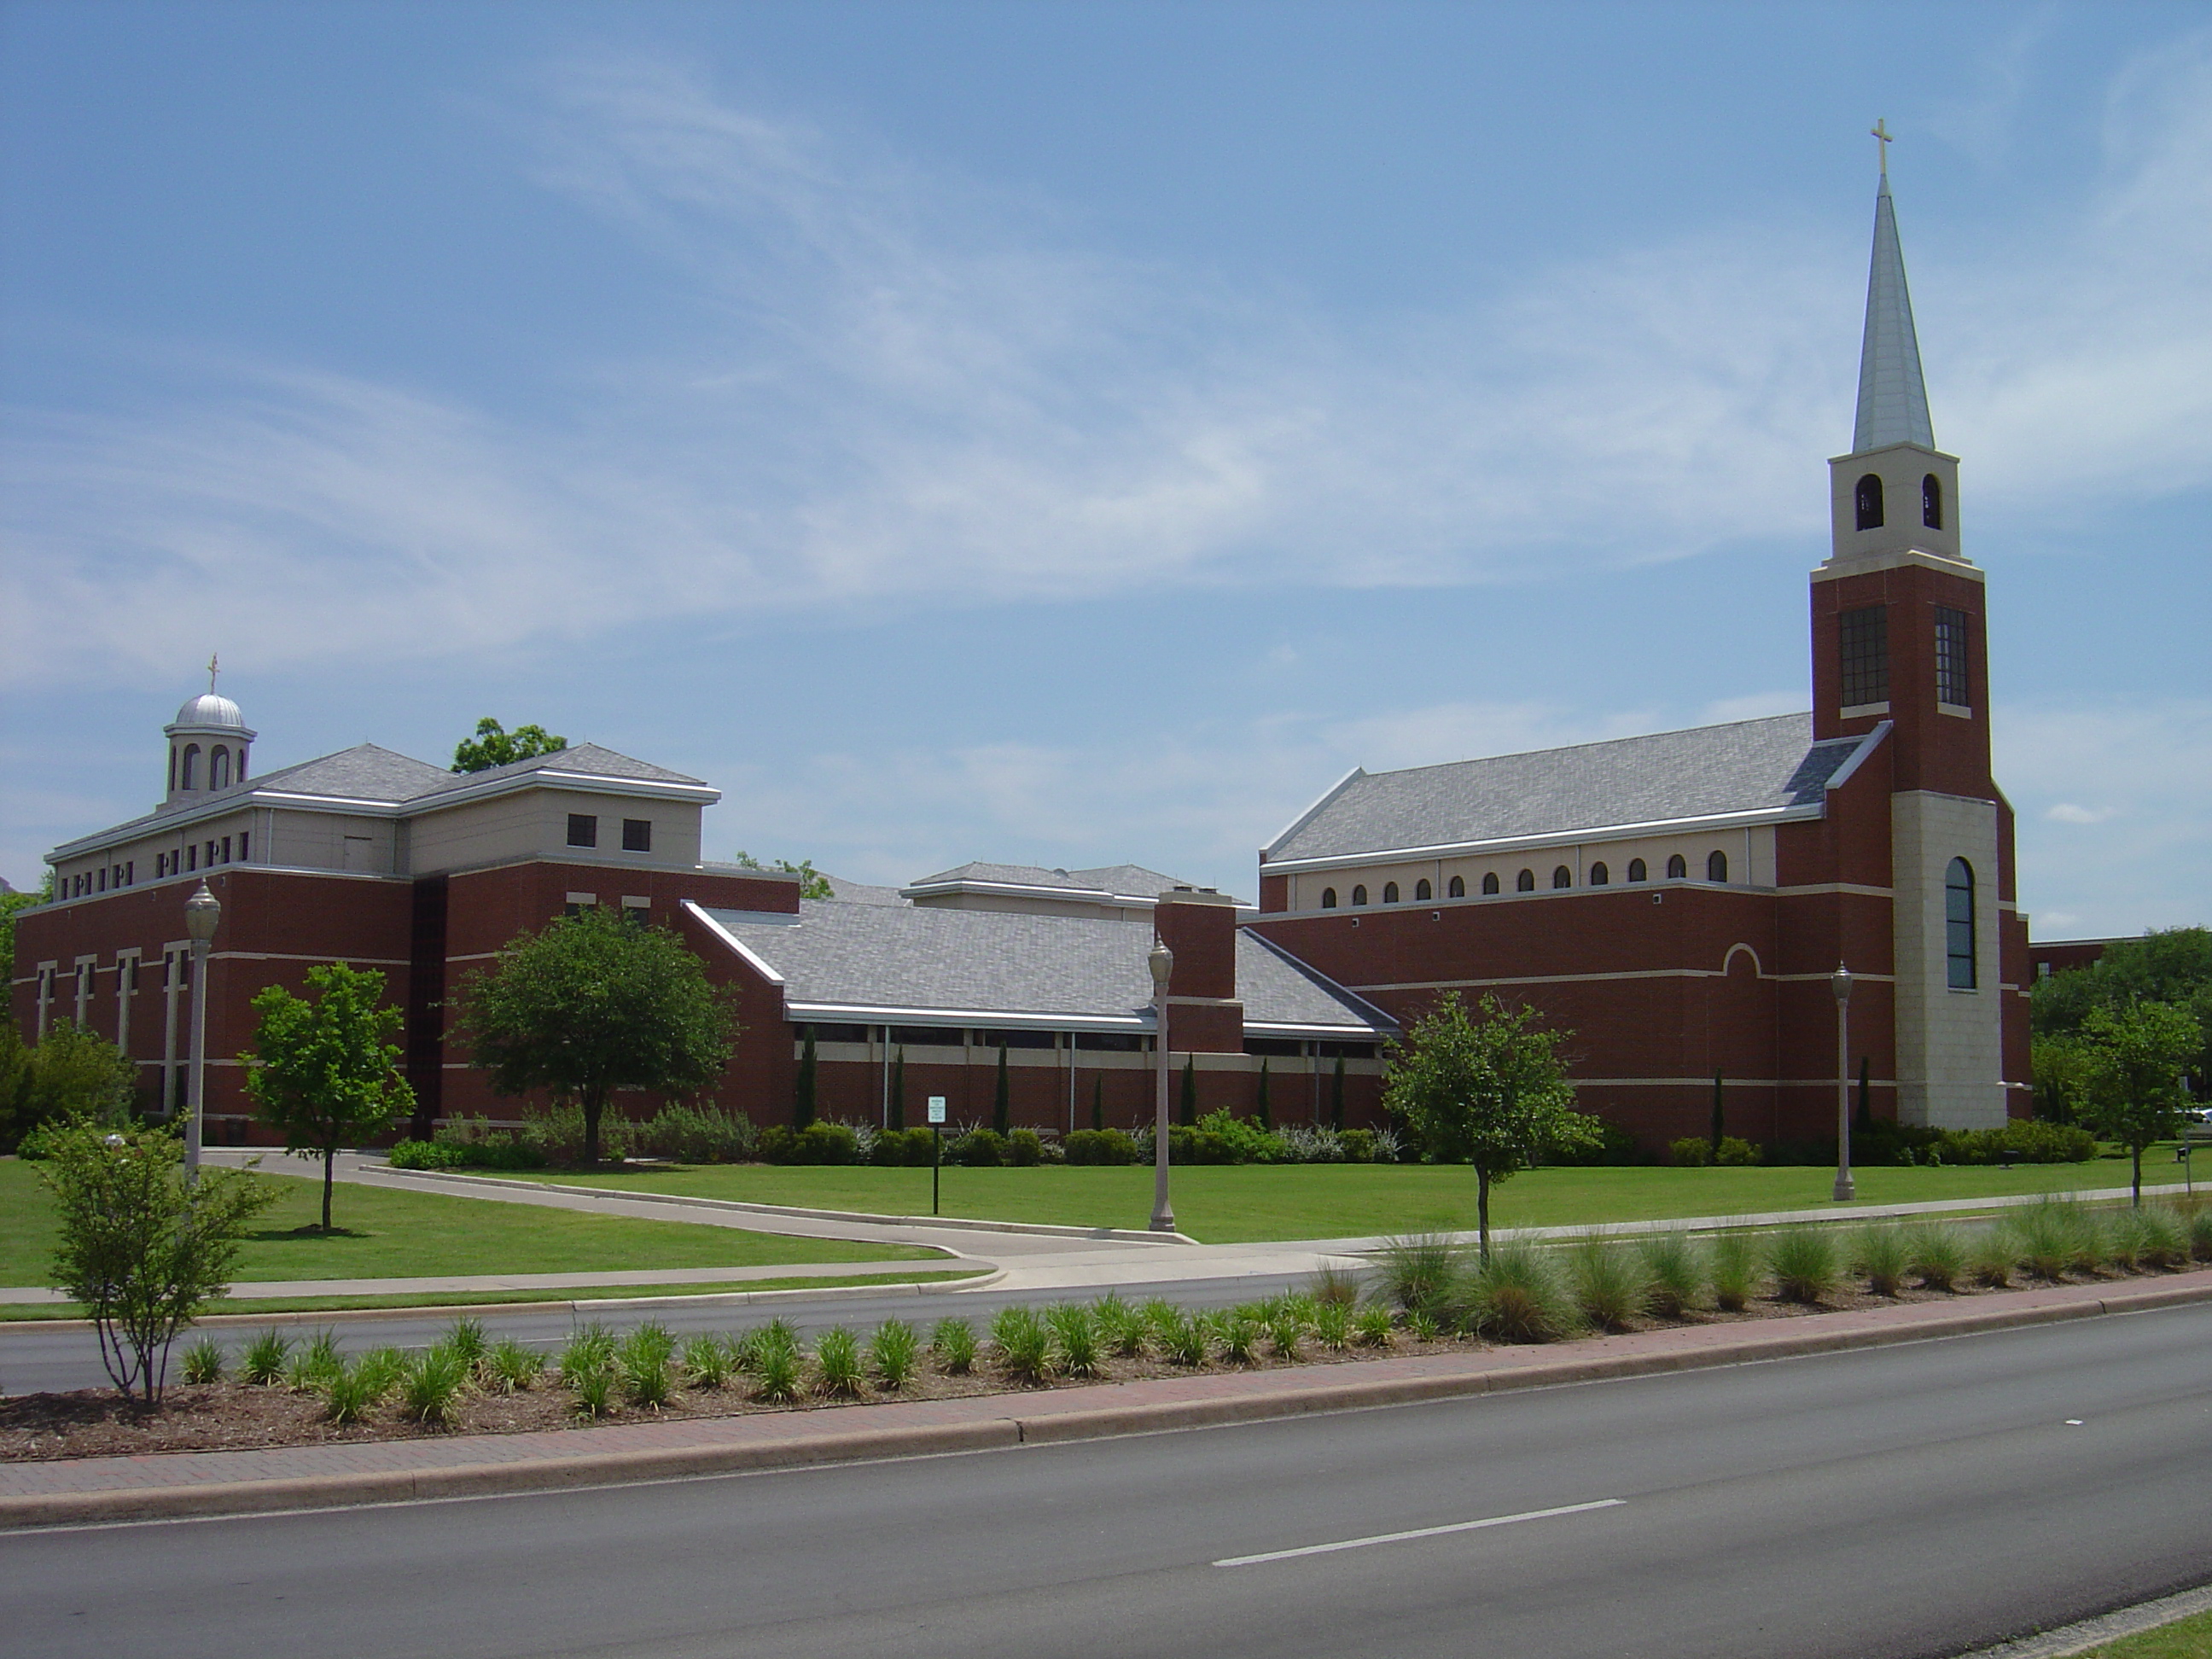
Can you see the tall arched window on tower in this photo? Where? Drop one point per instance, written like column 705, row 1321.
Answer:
column 1959, row 924
column 1458, row 888
column 1716, row 866
column 1677, row 868
column 1527, row 881
column 1328, row 898
column 191, row 772
column 219, row 768
column 1869, row 498
column 1931, row 501
column 1490, row 884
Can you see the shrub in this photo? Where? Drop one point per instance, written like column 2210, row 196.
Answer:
column 474, row 1154
column 1024, row 1345
column 432, row 1387
column 695, row 1134
column 1517, row 1297
column 1882, row 1256
column 1936, row 1256
column 1735, row 1153
column 837, row 1362
column 557, row 1134
column 1804, row 1261
column 978, row 1149
column 827, row 1143
column 514, row 1367
column 707, row 1362
column 1615, row 1147
column 1244, row 1140
column 1734, row 1264
column 1674, row 1266
column 1690, row 1152
column 203, row 1361
column 263, row 1362
column 2025, row 1140
column 1609, row 1284
column 893, row 1352
column 1391, row 1147
column 1358, row 1146
column 907, row 1148
column 1310, row 1143
column 1370, row 1327
column 1332, row 1325
column 1025, row 1149
column 1120, row 1327
column 1100, row 1146
column 1420, row 1272
column 1075, row 1335
column 953, row 1343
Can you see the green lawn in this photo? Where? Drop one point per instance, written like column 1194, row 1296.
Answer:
column 405, row 1235
column 1228, row 1204
column 2189, row 1638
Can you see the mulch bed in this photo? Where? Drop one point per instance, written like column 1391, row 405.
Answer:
column 235, row 1416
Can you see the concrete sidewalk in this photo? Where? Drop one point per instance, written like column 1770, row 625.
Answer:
column 164, row 1485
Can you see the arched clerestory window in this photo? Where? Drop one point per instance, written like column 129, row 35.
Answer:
column 1599, row 874
column 1678, row 867
column 1490, row 884
column 1931, row 501
column 1959, row 924
column 1389, row 892
column 1637, row 870
column 1328, row 898
column 1359, row 893
column 1868, row 501
column 1526, row 882
column 1422, row 891
column 1458, row 888
column 1716, row 866
column 1563, row 877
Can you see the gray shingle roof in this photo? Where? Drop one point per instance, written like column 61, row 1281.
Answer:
column 587, row 758
column 1747, row 766
column 1123, row 878
column 987, row 963
column 363, row 772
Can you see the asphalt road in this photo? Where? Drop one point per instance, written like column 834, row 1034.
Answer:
column 1916, row 1500
column 34, row 1356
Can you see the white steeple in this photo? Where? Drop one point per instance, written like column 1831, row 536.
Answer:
column 1893, row 396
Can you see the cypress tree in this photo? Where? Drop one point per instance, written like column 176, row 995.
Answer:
column 802, row 1100
column 1001, row 1102
column 1190, row 1090
column 1716, row 1112
column 898, row 1089
column 1866, row 1096
column 1098, row 1101
column 1336, row 1097
column 1266, row 1118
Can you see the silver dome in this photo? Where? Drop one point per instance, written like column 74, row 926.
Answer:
column 209, row 709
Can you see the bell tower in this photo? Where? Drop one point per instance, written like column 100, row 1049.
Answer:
column 208, row 744
column 1899, row 638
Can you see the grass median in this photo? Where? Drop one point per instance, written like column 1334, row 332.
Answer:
column 1222, row 1204
column 383, row 1234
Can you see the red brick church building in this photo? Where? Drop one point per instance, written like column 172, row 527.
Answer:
column 1680, row 900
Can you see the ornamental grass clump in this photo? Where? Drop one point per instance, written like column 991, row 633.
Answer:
column 589, row 1352
column 1992, row 1255
column 2042, row 1238
column 1159, row 1315
column 1288, row 1320
column 2165, row 1236
column 1518, row 1298
column 1674, row 1266
column 2088, row 1249
column 1332, row 1326
column 1423, row 1325
column 1122, row 1327
column 308, row 1367
column 1370, row 1326
column 837, row 1363
column 1239, row 1333
column 707, row 1362
column 263, row 1362
column 595, row 1391
column 1735, row 1269
column 952, row 1342
column 894, row 1353
column 1419, row 1271
column 510, row 1367
column 1936, row 1256
column 464, row 1340
column 1185, row 1338
column 432, row 1387
column 1023, row 1344
column 2126, row 1239
column 1882, row 1256
column 646, row 1359
column 1804, row 1263
column 1334, row 1284
column 350, row 1392
column 1075, row 1338
column 2200, row 1232
column 1610, row 1285
column 203, row 1361
column 778, row 1372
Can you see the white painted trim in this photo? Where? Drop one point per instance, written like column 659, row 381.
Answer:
column 746, row 955
column 1551, row 838
column 1592, row 979
column 1306, row 817
column 1867, row 744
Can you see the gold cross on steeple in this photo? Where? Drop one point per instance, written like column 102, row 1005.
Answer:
column 212, row 660
column 1880, row 129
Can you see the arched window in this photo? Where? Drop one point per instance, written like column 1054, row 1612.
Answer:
column 1359, row 893
column 1458, row 888
column 1931, row 501
column 1328, row 898
column 1490, row 883
column 1677, row 867
column 1563, row 877
column 1389, row 892
column 172, row 768
column 1422, row 891
column 1716, row 866
column 1600, row 875
column 1527, row 882
column 1869, row 502
column 1637, row 870
column 218, row 768
column 1959, row 923
column 192, row 766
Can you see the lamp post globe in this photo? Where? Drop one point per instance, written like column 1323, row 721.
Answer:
column 203, row 913
column 1840, row 983
column 1161, row 962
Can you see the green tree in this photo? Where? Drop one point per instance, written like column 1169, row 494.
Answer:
column 812, row 883
column 2134, row 1059
column 593, row 1003
column 323, row 1068
column 895, row 1114
column 1336, row 1097
column 2173, row 965
column 1187, row 1108
column 2059, row 1065
column 72, row 1076
column 1488, row 1090
column 11, row 902
column 492, row 746
column 1098, row 1101
column 1260, row 1105
column 803, row 1092
column 140, row 1249
column 1002, row 1096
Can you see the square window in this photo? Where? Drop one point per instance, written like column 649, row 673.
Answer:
column 1864, row 654
column 583, row 829
column 637, row 835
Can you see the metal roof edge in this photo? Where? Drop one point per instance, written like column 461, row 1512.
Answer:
column 751, row 958
column 1307, row 817
column 1867, row 745
column 1378, row 1017
column 888, row 1014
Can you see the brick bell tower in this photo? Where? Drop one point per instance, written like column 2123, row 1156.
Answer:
column 1898, row 635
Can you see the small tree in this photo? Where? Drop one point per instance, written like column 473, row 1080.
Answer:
column 1720, row 1121
column 593, row 1003
column 493, row 746
column 323, row 1069
column 804, row 1087
column 1259, row 1106
column 142, row 1249
column 1336, row 1097
column 1188, row 1110
column 1491, row 1092
column 895, row 1113
column 1002, row 1097
column 2134, row 1057
column 73, row 1075
column 1098, row 1101
column 812, row 883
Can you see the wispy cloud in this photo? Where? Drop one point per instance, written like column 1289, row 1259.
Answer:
column 903, row 388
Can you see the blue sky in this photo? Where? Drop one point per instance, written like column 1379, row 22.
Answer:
column 1071, row 434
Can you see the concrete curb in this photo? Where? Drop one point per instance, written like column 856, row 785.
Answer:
column 1287, row 1395
column 959, row 1223
column 604, row 1304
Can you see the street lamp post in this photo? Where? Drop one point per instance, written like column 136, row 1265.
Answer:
column 1162, row 962
column 202, row 910
column 1840, row 983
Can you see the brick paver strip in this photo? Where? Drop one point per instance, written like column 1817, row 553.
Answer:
column 174, row 1484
